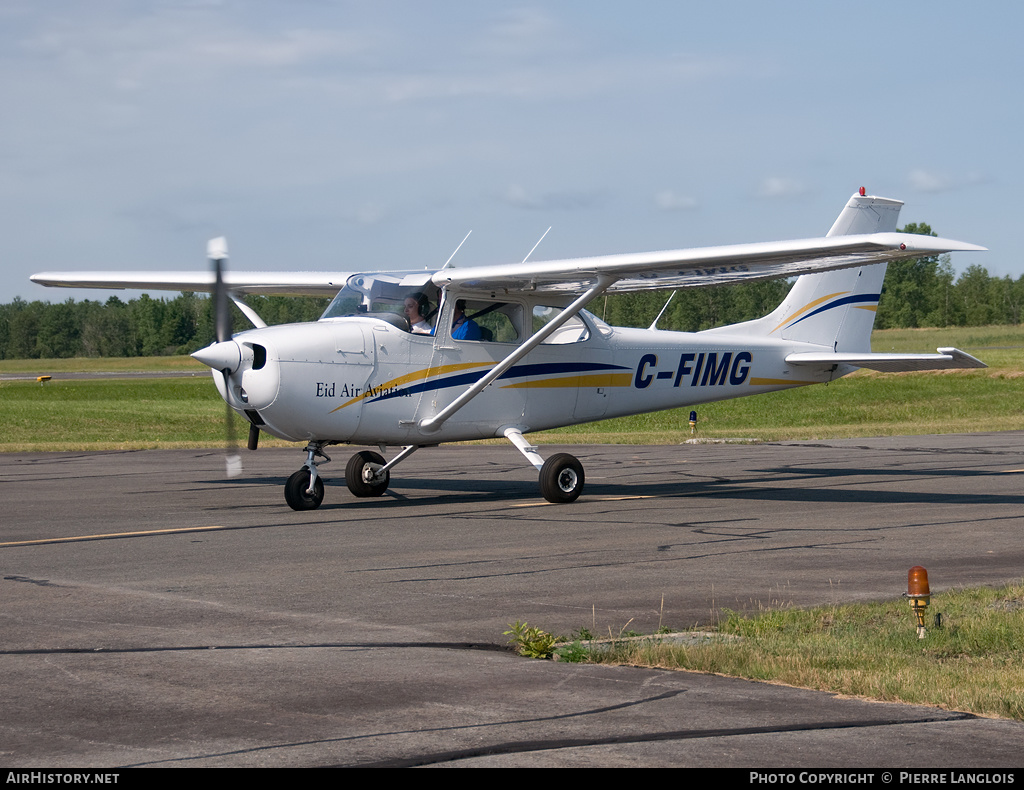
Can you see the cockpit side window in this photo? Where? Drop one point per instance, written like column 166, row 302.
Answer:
column 485, row 320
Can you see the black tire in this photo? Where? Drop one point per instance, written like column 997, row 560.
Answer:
column 355, row 469
column 561, row 478
column 295, row 491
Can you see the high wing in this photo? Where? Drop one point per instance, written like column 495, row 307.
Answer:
column 700, row 267
column 688, row 268
column 263, row 283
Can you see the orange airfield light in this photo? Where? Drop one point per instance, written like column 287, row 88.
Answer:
column 920, row 595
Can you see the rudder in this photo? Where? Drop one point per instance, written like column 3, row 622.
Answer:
column 837, row 309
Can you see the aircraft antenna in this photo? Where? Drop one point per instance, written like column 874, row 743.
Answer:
column 654, row 323
column 535, row 246
column 456, row 250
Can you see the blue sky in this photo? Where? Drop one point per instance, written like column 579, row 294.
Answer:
column 371, row 135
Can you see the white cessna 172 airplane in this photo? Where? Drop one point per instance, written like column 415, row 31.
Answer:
column 510, row 349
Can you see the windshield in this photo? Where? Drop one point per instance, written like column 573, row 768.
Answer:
column 375, row 294
column 600, row 325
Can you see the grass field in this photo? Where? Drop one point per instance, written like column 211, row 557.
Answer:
column 970, row 663
column 66, row 414
column 37, row 367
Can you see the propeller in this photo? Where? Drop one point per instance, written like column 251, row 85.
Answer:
column 217, row 252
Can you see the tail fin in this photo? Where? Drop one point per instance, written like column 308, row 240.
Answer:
column 836, row 309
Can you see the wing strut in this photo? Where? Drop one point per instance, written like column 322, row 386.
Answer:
column 515, row 436
column 431, row 424
column 247, row 311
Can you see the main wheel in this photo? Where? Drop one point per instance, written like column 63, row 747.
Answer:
column 561, row 478
column 295, row 491
column 360, row 477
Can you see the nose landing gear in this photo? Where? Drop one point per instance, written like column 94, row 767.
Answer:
column 304, row 490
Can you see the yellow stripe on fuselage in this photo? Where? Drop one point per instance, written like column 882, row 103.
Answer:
column 807, row 307
column 419, row 375
column 759, row 382
column 593, row 380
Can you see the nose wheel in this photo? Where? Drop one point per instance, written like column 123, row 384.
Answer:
column 304, row 490
column 300, row 495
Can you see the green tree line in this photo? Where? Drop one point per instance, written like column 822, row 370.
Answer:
column 139, row 327
column 917, row 293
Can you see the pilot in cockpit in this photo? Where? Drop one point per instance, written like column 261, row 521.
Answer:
column 417, row 306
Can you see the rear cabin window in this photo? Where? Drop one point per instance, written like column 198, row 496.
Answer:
column 498, row 322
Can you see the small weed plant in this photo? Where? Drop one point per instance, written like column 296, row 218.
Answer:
column 573, row 653
column 531, row 642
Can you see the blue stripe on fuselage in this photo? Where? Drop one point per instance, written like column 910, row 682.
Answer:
column 516, row 371
column 856, row 299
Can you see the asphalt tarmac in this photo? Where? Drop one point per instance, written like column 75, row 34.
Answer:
column 156, row 613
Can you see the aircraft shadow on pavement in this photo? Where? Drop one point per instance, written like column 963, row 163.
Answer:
column 788, row 484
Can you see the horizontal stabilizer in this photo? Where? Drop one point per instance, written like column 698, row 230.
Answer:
column 946, row 359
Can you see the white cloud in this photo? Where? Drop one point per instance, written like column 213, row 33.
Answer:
column 367, row 214
column 923, row 180
column 285, row 48
column 572, row 81
column 928, row 181
column 163, row 47
column 780, row 187
column 667, row 200
column 521, row 31
column 569, row 200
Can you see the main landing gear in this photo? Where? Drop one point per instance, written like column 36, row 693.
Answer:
column 561, row 476
column 367, row 474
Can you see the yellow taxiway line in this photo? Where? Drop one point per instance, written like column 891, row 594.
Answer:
column 74, row 538
column 588, row 499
